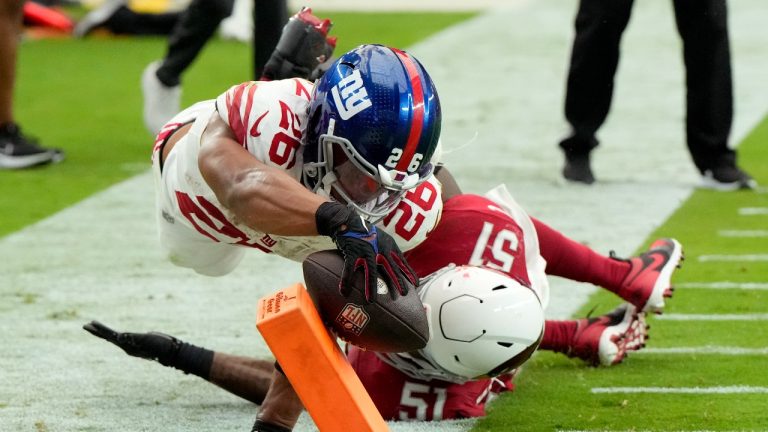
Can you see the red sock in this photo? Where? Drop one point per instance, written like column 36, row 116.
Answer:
column 558, row 335
column 572, row 260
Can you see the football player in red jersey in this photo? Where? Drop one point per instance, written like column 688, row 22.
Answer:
column 466, row 361
column 479, row 245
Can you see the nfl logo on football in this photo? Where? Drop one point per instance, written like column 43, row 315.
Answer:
column 353, row 318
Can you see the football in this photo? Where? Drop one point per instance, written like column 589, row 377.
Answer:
column 391, row 323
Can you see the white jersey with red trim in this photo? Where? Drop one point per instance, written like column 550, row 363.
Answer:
column 416, row 216
column 268, row 119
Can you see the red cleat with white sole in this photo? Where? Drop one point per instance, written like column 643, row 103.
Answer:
column 649, row 280
column 605, row 340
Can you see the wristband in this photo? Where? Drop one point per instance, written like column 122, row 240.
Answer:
column 330, row 217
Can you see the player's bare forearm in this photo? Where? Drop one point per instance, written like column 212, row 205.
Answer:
column 282, row 405
column 246, row 377
column 269, row 200
column 265, row 198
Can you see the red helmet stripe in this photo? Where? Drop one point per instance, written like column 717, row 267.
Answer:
column 417, row 122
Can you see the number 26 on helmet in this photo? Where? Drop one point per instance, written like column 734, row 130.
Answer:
column 374, row 125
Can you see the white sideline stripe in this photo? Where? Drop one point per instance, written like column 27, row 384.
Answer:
column 713, row 317
column 684, row 390
column 709, row 349
column 724, row 285
column 734, row 258
column 752, row 211
column 743, row 233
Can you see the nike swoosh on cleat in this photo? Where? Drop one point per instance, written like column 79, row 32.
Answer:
column 654, row 260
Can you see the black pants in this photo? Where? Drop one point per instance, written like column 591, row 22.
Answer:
column 702, row 25
column 199, row 23
column 269, row 18
column 126, row 21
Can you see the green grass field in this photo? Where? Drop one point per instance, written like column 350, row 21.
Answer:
column 554, row 393
column 84, row 97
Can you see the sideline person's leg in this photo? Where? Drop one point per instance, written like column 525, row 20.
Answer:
column 703, row 27
column 269, row 18
column 16, row 149
column 161, row 80
column 595, row 56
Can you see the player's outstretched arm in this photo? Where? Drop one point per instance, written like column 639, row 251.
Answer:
column 160, row 347
column 248, row 378
column 265, row 198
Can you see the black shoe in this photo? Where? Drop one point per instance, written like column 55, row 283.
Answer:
column 727, row 177
column 577, row 169
column 19, row 151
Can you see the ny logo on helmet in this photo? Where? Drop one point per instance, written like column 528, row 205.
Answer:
column 350, row 96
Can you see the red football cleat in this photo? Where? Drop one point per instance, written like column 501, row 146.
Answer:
column 606, row 339
column 649, row 280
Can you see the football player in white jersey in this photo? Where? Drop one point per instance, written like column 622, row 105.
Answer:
column 288, row 167
column 291, row 167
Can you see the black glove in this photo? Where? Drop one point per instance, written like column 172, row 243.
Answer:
column 151, row 346
column 262, row 426
column 302, row 49
column 364, row 248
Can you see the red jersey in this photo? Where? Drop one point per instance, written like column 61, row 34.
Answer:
column 491, row 232
column 472, row 231
column 400, row 397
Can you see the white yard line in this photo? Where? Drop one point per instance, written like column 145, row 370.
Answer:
column 733, row 258
column 712, row 317
column 684, row 390
column 724, row 285
column 743, row 233
column 719, row 350
column 753, row 211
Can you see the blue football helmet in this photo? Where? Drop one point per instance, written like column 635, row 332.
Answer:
column 374, row 124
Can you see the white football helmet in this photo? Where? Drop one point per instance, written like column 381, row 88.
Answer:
column 481, row 321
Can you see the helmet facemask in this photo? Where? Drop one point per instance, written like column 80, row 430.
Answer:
column 343, row 174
